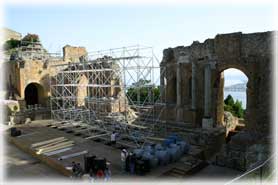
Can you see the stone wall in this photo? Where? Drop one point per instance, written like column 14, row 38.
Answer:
column 73, row 54
column 10, row 34
column 192, row 79
column 22, row 73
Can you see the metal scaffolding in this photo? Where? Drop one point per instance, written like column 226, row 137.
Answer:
column 115, row 90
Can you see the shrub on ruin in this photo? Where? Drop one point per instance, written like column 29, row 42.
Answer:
column 11, row 44
column 30, row 38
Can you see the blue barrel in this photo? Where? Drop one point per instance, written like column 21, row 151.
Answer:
column 138, row 152
column 173, row 145
column 173, row 137
column 158, row 147
column 153, row 159
column 168, row 141
column 185, row 147
column 179, row 150
column 182, row 145
column 146, row 155
column 149, row 149
column 162, row 156
column 173, row 151
column 154, row 162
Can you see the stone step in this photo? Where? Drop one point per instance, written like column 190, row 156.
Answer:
column 196, row 152
column 187, row 166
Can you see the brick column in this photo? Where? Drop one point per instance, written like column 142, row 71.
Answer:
column 193, row 87
column 207, row 120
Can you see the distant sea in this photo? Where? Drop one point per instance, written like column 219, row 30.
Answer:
column 237, row 95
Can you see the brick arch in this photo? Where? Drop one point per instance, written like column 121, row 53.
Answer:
column 34, row 93
column 218, row 86
column 251, row 53
column 239, row 66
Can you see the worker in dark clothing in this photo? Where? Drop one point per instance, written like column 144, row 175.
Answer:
column 79, row 170
column 92, row 176
column 132, row 160
column 107, row 174
column 73, row 169
column 127, row 161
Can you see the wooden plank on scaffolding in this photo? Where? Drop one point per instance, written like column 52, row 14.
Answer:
column 156, row 138
column 42, row 151
column 134, row 125
column 54, row 149
column 83, row 130
column 46, row 142
column 58, row 144
column 58, row 122
column 51, row 144
column 129, row 145
column 57, row 151
column 72, row 155
column 69, row 124
column 66, row 126
column 96, row 136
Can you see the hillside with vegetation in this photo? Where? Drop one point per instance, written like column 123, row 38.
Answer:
column 235, row 107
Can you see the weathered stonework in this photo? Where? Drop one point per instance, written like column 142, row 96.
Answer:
column 35, row 68
column 10, row 34
column 73, row 54
column 21, row 73
column 200, row 81
column 230, row 122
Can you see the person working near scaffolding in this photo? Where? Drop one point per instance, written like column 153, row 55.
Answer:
column 124, row 155
column 113, row 138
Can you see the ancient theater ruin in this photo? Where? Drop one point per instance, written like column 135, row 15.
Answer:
column 169, row 113
column 192, row 83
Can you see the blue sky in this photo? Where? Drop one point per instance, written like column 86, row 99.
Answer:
column 107, row 26
column 234, row 76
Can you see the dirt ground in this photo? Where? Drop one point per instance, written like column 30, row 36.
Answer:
column 19, row 165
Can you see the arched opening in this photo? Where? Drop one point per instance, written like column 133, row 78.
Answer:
column 232, row 100
column 34, row 94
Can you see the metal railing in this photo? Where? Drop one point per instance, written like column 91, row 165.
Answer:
column 262, row 173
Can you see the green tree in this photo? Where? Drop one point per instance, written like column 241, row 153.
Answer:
column 238, row 110
column 229, row 100
column 234, row 107
column 146, row 94
column 141, row 82
column 11, row 44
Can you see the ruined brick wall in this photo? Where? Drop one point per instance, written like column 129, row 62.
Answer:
column 250, row 53
column 22, row 72
column 72, row 53
column 31, row 71
column 10, row 34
